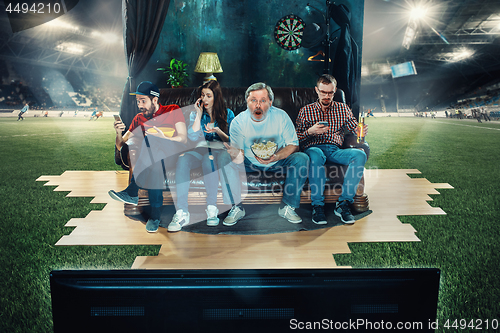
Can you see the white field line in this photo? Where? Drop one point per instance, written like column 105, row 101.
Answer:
column 50, row 134
column 444, row 122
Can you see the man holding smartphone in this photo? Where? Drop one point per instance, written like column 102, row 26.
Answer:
column 144, row 133
column 320, row 128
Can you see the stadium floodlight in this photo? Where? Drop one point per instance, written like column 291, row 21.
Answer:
column 461, row 54
column 58, row 24
column 73, row 48
column 411, row 31
column 110, row 37
column 106, row 37
column 365, row 71
column 418, row 13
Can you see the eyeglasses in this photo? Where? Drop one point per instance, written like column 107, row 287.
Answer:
column 326, row 93
column 256, row 102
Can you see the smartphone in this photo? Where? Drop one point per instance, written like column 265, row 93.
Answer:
column 117, row 117
column 324, row 123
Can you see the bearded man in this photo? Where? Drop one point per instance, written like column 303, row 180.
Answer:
column 144, row 132
column 321, row 127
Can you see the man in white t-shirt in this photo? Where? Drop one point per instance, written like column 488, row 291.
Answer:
column 255, row 132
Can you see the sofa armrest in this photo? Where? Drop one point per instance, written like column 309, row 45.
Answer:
column 122, row 157
column 350, row 141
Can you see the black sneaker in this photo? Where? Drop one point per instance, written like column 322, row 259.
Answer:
column 152, row 225
column 319, row 216
column 123, row 196
column 343, row 210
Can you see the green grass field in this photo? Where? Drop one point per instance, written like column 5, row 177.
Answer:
column 463, row 244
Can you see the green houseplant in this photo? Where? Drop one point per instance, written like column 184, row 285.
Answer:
column 176, row 71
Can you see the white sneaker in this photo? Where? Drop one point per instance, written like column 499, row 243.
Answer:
column 236, row 213
column 288, row 212
column 212, row 219
column 179, row 220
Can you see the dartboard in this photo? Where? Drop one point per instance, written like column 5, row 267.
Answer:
column 288, row 32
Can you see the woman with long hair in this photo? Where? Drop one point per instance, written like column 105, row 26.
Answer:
column 209, row 127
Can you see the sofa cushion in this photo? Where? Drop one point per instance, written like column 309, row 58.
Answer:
column 256, row 182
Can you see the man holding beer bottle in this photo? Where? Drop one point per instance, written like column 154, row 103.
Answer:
column 320, row 129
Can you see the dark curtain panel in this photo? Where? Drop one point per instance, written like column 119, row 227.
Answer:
column 142, row 25
column 346, row 55
column 345, row 65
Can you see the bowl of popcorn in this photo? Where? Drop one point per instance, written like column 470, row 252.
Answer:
column 264, row 149
column 167, row 131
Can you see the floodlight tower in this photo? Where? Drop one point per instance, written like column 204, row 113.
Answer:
column 416, row 14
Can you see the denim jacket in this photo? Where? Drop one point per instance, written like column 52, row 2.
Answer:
column 205, row 119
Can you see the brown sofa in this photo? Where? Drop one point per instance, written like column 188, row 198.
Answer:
column 262, row 189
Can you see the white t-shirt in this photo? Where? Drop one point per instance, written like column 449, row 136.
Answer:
column 277, row 128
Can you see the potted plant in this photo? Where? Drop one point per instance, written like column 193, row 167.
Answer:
column 176, row 72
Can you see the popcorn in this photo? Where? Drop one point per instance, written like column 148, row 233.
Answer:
column 264, row 151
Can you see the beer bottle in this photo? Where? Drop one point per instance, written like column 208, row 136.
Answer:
column 361, row 134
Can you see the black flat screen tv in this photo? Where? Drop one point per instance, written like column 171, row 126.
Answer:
column 281, row 300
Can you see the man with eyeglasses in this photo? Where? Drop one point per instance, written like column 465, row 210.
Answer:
column 320, row 128
column 271, row 129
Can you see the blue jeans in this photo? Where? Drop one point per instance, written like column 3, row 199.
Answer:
column 194, row 159
column 155, row 193
column 155, row 158
column 323, row 154
column 155, row 196
column 296, row 168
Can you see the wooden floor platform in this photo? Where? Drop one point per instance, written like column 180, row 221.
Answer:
column 391, row 193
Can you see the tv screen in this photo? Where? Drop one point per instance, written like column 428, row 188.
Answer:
column 244, row 300
column 403, row 69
